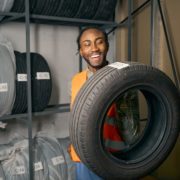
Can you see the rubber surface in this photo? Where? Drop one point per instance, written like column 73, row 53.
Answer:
column 161, row 131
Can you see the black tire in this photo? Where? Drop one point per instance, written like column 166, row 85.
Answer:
column 105, row 10
column 87, row 9
column 20, row 104
column 67, row 8
column 41, row 88
column 90, row 108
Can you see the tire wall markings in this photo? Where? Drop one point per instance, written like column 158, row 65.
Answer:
column 118, row 65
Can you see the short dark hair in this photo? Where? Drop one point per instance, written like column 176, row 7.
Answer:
column 97, row 28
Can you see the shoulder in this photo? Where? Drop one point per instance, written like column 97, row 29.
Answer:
column 79, row 76
column 77, row 82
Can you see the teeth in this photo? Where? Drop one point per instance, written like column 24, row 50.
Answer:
column 94, row 56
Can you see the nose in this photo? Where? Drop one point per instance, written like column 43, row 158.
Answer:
column 94, row 47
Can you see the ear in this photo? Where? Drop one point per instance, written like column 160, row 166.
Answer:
column 80, row 51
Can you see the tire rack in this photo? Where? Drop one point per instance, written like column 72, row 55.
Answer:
column 32, row 18
column 128, row 21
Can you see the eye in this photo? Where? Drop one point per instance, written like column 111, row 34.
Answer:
column 100, row 41
column 86, row 43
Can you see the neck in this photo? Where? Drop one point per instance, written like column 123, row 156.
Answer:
column 94, row 69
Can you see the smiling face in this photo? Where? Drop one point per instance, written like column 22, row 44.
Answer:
column 93, row 48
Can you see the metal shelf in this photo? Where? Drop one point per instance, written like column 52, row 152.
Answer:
column 68, row 21
column 51, row 109
column 55, row 20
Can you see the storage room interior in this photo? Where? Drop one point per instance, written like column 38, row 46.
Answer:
column 57, row 44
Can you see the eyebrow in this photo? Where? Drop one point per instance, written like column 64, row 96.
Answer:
column 86, row 41
column 95, row 39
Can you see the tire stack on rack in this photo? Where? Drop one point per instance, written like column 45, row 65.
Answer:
column 7, row 74
column 18, row 6
column 57, row 163
column 41, row 83
column 53, row 156
column 20, row 104
column 84, row 9
column 87, row 9
column 13, row 81
column 5, row 6
column 65, row 8
column 2, row 175
column 14, row 159
column 51, row 159
column 40, row 163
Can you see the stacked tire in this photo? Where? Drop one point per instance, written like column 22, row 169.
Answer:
column 5, row 6
column 7, row 74
column 13, row 81
column 41, row 83
column 85, row 9
column 50, row 159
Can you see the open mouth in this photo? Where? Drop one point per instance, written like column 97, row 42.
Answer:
column 95, row 56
